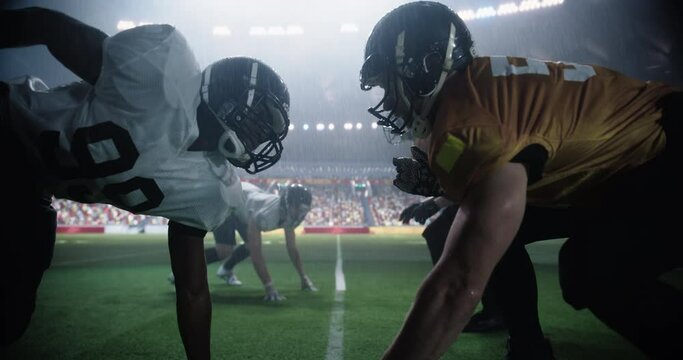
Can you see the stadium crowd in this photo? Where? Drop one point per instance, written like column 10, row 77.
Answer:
column 334, row 204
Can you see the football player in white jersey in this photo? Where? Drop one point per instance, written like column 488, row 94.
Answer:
column 267, row 212
column 147, row 131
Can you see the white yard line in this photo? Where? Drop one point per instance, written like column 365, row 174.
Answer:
column 335, row 343
column 104, row 258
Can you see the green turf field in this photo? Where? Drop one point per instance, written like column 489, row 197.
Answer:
column 107, row 297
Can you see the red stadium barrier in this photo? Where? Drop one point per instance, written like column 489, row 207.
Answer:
column 80, row 229
column 336, row 230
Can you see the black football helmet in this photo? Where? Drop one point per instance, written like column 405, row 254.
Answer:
column 410, row 53
column 295, row 200
column 251, row 103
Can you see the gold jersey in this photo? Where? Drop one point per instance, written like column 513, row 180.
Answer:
column 592, row 122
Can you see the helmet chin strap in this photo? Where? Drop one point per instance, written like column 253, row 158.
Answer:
column 420, row 126
column 239, row 151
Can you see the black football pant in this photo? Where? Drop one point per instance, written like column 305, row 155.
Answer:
column 618, row 257
column 225, row 234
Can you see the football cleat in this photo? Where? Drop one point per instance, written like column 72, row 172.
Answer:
column 527, row 351
column 228, row 276
column 484, row 322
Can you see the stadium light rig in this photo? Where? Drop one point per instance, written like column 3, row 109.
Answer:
column 221, row 31
column 507, row 9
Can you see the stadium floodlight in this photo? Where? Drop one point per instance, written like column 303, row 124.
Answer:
column 294, row 30
column 486, row 12
column 527, row 5
column 373, row 125
column 320, row 127
column 348, row 126
column 348, row 28
column 359, row 126
column 305, row 127
column 291, row 127
column 507, row 9
column 258, row 31
column 125, row 25
column 276, row 30
column 221, row 30
column 330, row 126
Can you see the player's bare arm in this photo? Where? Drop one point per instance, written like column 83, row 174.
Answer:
column 484, row 227
column 293, row 251
column 193, row 301
column 255, row 245
column 76, row 45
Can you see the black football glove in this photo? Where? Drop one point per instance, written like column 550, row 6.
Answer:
column 420, row 211
column 413, row 175
column 407, row 213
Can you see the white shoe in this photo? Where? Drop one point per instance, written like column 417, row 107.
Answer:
column 232, row 280
column 228, row 276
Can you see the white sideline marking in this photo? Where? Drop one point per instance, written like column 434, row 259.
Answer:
column 105, row 258
column 338, row 271
column 335, row 343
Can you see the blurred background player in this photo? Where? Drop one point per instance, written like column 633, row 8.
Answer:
column 266, row 212
column 147, row 131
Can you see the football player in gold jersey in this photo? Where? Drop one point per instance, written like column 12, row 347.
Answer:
column 502, row 133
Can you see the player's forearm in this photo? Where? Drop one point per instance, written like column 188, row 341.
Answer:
column 76, row 45
column 440, row 312
column 194, row 322
column 295, row 257
column 259, row 261
column 442, row 202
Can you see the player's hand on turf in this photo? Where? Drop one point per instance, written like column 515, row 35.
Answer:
column 307, row 284
column 413, row 175
column 272, row 295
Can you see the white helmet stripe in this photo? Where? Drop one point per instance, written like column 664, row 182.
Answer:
column 252, row 82
column 447, row 64
column 205, row 84
column 400, row 47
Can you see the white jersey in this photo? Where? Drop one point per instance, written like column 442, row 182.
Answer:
column 267, row 209
column 124, row 140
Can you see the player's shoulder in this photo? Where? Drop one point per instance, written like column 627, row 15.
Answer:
column 143, row 35
column 142, row 41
